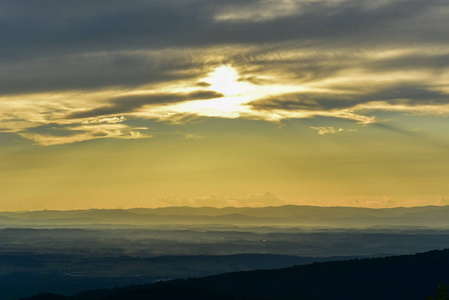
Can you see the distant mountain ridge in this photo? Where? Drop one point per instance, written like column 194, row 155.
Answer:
column 432, row 216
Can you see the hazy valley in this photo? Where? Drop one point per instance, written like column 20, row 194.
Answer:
column 67, row 252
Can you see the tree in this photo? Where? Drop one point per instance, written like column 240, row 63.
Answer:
column 441, row 293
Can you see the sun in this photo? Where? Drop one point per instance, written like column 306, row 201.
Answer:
column 225, row 80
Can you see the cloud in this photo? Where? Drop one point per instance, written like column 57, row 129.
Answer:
column 113, row 120
column 444, row 201
column 88, row 132
column 393, row 93
column 105, row 26
column 58, row 134
column 258, row 11
column 256, row 200
column 191, row 136
column 180, row 118
column 385, row 201
column 95, row 70
column 126, row 104
column 327, row 129
column 76, row 62
column 83, row 26
column 353, row 102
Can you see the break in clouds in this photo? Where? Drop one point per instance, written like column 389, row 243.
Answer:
column 83, row 68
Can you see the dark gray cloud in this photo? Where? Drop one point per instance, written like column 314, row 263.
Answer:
column 403, row 94
column 95, row 71
column 47, row 45
column 123, row 105
column 433, row 62
column 51, row 26
column 318, row 62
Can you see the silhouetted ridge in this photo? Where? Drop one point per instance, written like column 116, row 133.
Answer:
column 397, row 277
column 48, row 296
column 406, row 277
column 151, row 292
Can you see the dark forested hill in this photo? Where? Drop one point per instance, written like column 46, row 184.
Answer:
column 406, row 277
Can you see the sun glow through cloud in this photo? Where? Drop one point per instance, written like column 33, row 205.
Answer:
column 225, row 80
column 237, row 94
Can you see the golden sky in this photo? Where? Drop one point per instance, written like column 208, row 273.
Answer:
column 121, row 104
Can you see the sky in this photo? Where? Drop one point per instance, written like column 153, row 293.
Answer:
column 119, row 104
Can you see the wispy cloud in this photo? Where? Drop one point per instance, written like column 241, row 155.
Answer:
column 103, row 128
column 327, row 129
column 191, row 136
column 118, row 133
